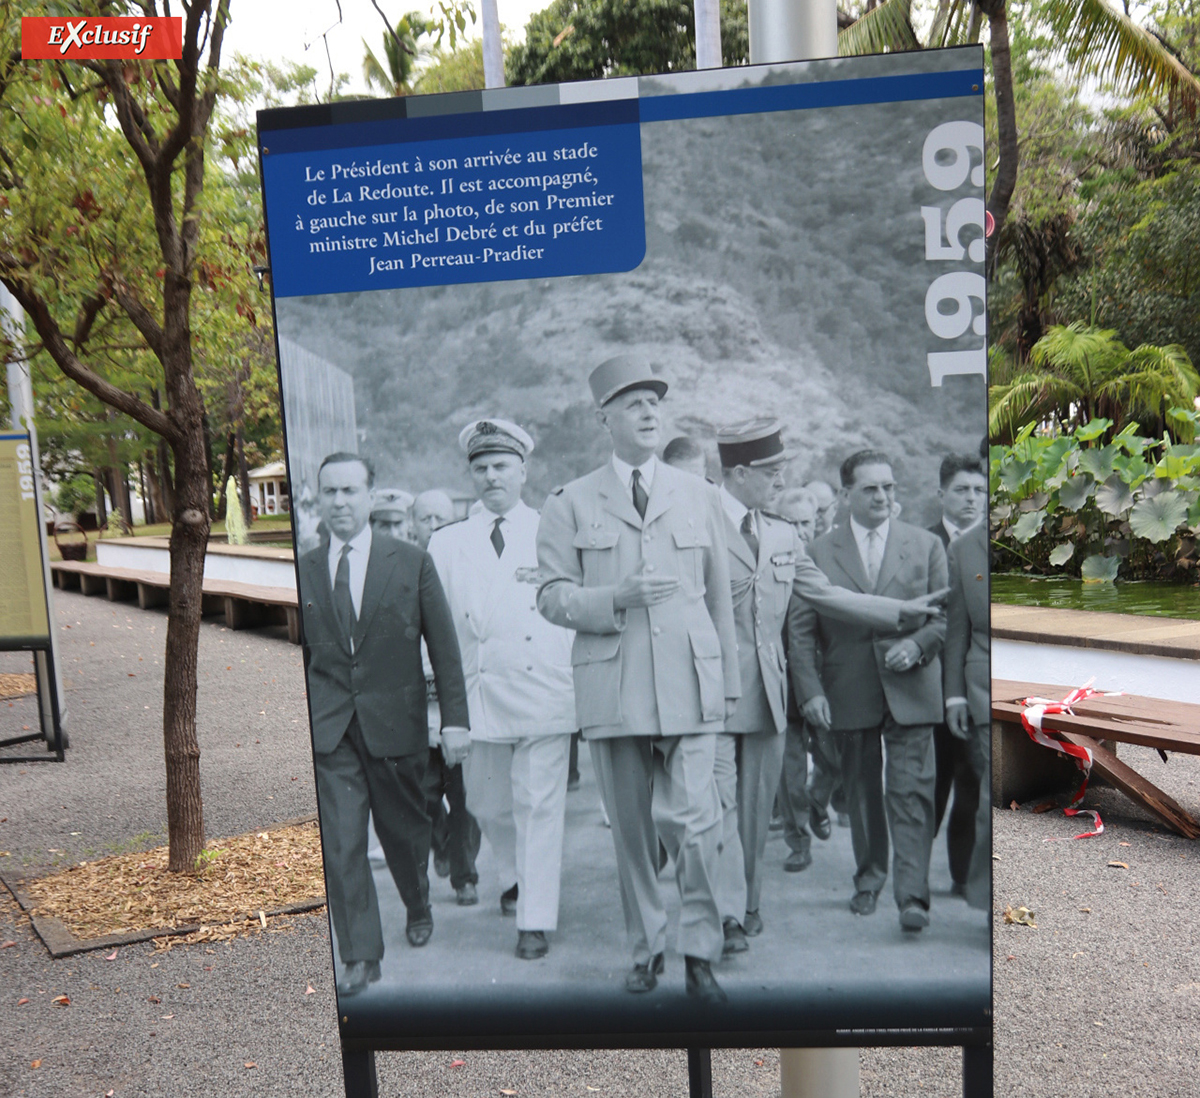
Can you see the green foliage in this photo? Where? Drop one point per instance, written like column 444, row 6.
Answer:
column 452, row 70
column 1079, row 372
column 590, row 39
column 1074, row 503
column 401, row 53
column 75, row 495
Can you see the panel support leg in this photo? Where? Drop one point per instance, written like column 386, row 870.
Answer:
column 977, row 1071
column 818, row 1072
column 358, row 1072
column 699, row 1073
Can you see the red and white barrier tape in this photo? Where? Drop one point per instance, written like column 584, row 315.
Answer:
column 1035, row 709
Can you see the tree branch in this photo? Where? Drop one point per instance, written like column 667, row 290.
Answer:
column 56, row 346
column 86, row 318
column 142, row 318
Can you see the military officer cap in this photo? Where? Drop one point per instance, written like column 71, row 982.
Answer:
column 619, row 375
column 494, row 436
column 754, row 442
column 391, row 504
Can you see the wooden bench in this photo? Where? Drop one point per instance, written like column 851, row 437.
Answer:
column 1021, row 768
column 243, row 604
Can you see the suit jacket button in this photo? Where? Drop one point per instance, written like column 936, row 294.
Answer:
column 656, row 630
column 529, row 638
column 649, row 567
column 529, row 668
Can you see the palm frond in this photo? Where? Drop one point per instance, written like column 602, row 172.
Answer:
column 885, row 29
column 1112, row 46
column 1089, row 355
column 1028, row 398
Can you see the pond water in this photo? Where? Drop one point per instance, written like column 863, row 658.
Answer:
column 1163, row 600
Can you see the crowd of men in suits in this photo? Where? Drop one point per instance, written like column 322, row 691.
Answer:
column 707, row 639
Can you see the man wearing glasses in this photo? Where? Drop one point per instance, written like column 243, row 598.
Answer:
column 878, row 687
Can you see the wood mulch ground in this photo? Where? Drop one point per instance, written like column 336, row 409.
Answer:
column 17, row 685
column 238, row 879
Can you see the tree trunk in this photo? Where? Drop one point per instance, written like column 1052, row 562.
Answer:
column 210, row 464
column 166, row 502
column 223, row 487
column 147, row 502
column 101, row 510
column 189, row 542
column 1006, row 121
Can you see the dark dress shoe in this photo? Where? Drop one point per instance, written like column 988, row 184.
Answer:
column 466, row 896
column 508, row 901
column 644, row 977
column 818, row 820
column 419, row 930
column 735, row 937
column 958, row 888
column 863, row 903
column 752, row 924
column 913, row 917
column 700, row 983
column 532, row 944
column 797, row 861
column 356, row 977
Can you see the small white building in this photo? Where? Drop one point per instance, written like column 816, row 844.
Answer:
column 269, row 489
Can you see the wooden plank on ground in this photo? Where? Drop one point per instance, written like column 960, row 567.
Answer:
column 1136, row 788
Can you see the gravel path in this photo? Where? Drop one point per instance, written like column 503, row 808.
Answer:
column 1097, row 1002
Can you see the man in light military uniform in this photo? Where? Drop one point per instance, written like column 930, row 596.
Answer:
column 517, row 668
column 633, row 557
column 768, row 566
column 389, row 512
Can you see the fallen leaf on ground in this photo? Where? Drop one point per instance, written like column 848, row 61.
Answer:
column 1014, row 806
column 1119, row 865
column 250, row 1064
column 112, row 956
column 183, row 986
column 262, row 918
column 35, row 1064
column 458, row 1063
column 22, row 1002
column 1086, row 910
column 310, row 990
column 167, row 1017
column 1011, row 957
column 154, row 999
column 1045, row 806
column 107, row 1093
column 7, row 945
column 1021, row 916
column 504, row 1090
column 1125, row 844
column 61, row 1000
column 1081, row 953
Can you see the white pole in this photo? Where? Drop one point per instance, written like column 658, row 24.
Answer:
column 792, row 30
column 797, row 30
column 493, row 48
column 20, row 400
column 708, row 34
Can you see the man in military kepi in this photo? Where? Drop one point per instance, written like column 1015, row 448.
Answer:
column 768, row 566
column 633, row 558
column 517, row 667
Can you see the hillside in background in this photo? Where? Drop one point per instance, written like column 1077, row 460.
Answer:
column 784, row 274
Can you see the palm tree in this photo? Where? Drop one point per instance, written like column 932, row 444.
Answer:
column 1083, row 372
column 1098, row 41
column 400, row 52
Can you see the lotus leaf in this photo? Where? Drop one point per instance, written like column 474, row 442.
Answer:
column 1179, row 461
column 1099, row 462
column 1133, row 470
column 1094, row 428
column 1035, row 502
column 1194, row 515
column 1076, row 491
column 1027, row 526
column 1099, row 569
column 1015, row 473
column 1060, row 554
column 1114, row 497
column 1131, row 442
column 1157, row 518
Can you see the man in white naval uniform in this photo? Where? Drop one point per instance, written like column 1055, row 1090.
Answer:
column 517, row 667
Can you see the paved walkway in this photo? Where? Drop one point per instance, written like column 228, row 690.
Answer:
column 1139, row 635
column 1129, row 963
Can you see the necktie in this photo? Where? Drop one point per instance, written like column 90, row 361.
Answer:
column 497, row 538
column 343, row 604
column 874, row 556
column 748, row 533
column 640, row 498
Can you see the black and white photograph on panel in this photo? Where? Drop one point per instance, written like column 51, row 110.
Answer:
column 634, row 440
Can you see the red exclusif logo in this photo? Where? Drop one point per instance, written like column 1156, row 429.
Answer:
column 46, row 38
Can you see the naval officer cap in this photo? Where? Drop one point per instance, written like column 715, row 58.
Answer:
column 494, row 436
column 754, row 442
column 390, row 504
column 618, row 375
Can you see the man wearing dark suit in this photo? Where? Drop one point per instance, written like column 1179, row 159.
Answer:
column 963, row 494
column 875, row 687
column 967, row 679
column 366, row 603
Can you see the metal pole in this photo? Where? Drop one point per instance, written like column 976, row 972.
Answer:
column 791, row 30
column 493, row 48
column 797, row 30
column 708, row 34
column 20, row 399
